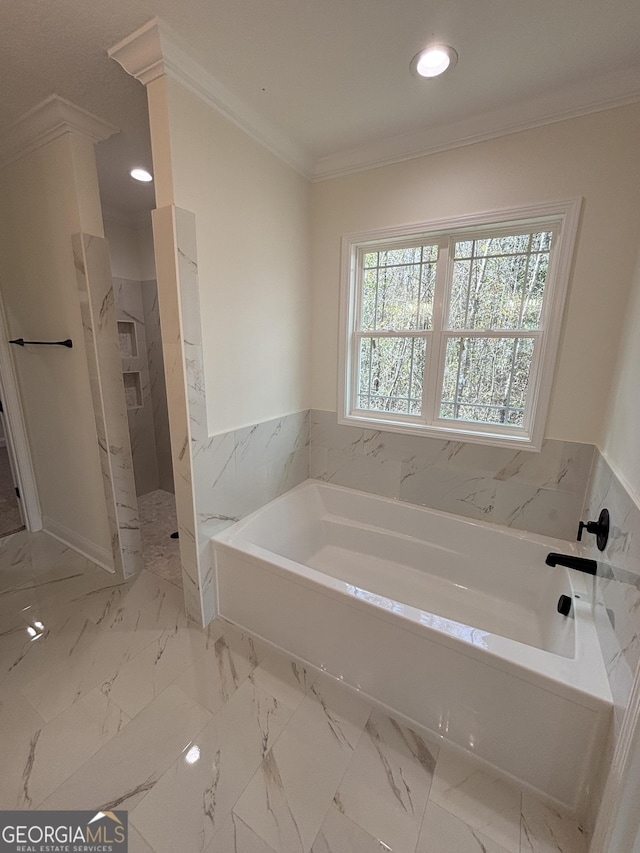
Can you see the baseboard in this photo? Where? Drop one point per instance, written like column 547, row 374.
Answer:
column 100, row 556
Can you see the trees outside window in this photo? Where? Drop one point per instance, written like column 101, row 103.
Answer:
column 452, row 328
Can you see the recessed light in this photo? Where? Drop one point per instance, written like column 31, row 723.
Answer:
column 434, row 60
column 141, row 175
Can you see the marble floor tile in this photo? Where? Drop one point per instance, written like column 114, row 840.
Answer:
column 35, row 765
column 195, row 796
column 15, row 559
column 442, row 832
column 149, row 592
column 235, row 836
column 387, row 783
column 215, row 742
column 547, row 830
column 137, row 843
column 123, row 771
column 338, row 834
column 18, row 719
column 20, row 647
column 50, row 593
column 287, row 799
column 158, row 665
column 215, row 676
column 485, row 801
column 284, row 678
column 89, row 658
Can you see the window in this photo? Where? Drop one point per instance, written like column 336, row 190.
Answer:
column 451, row 329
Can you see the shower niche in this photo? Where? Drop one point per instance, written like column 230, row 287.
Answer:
column 127, row 339
column 132, row 389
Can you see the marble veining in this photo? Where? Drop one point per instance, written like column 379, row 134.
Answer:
column 142, row 430
column 538, row 492
column 97, row 307
column 168, row 231
column 215, row 742
column 221, row 478
column 617, row 588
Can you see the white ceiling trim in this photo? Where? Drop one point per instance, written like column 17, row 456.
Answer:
column 559, row 106
column 154, row 50
column 45, row 122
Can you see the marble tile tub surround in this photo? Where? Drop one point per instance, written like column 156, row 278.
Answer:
column 538, row 492
column 617, row 591
column 241, row 470
column 121, row 703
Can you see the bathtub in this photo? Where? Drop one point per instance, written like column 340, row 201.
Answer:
column 449, row 622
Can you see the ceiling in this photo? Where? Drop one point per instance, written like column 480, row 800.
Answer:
column 331, row 76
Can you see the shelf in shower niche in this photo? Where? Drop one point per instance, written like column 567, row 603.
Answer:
column 132, row 390
column 127, row 339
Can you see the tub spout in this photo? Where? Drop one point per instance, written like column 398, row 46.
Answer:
column 572, row 562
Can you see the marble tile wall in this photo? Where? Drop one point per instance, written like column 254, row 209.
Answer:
column 137, row 303
column 129, row 307
column 244, row 469
column 539, row 492
column 617, row 587
column 95, row 291
column 174, row 238
column 223, row 477
column 157, row 383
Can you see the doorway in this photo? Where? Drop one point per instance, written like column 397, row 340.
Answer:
column 19, row 504
column 11, row 520
column 140, row 342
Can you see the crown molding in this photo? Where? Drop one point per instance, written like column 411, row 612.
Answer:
column 155, row 50
column 141, row 54
column 45, row 122
column 561, row 105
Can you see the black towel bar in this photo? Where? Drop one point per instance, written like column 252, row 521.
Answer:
column 21, row 343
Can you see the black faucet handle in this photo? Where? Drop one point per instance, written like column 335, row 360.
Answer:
column 590, row 526
column 599, row 528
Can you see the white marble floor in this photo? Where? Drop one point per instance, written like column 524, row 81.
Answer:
column 213, row 742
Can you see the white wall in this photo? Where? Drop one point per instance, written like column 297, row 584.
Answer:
column 144, row 236
column 45, row 197
column 621, row 445
column 131, row 250
column 123, row 249
column 594, row 156
column 252, row 220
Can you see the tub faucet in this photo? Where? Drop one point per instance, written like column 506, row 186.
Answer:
column 572, row 562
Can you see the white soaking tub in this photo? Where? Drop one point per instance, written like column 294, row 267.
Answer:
column 450, row 622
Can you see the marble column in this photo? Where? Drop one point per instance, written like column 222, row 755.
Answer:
column 177, row 271
column 97, row 306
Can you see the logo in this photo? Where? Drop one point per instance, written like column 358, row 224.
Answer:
column 63, row 832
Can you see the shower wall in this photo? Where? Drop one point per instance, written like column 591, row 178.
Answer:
column 143, row 374
column 157, row 384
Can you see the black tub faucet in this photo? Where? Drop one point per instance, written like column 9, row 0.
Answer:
column 572, row 562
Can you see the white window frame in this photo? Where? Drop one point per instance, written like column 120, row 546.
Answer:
column 560, row 216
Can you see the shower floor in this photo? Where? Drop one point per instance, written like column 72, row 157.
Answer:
column 158, row 521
